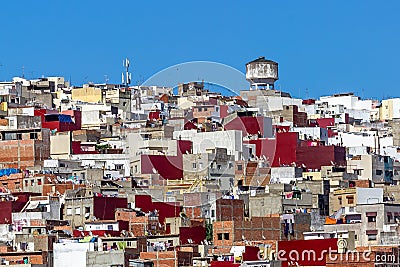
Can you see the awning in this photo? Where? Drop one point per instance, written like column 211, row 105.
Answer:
column 371, row 232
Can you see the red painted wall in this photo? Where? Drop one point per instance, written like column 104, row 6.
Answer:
column 104, row 207
column 60, row 126
column 197, row 234
column 154, row 115
column 165, row 209
column 286, row 145
column 248, row 125
column 77, row 149
column 279, row 151
column 325, row 122
column 313, row 157
column 251, row 253
column 5, row 212
column 223, row 111
column 169, row 167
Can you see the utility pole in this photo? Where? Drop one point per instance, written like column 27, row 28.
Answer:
column 19, row 152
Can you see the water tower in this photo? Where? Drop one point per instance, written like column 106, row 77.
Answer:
column 262, row 73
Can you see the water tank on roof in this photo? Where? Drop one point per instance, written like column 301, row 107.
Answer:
column 262, row 73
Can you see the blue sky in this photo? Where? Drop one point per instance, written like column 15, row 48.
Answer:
column 327, row 47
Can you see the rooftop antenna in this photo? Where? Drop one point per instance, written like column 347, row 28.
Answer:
column 23, row 71
column 126, row 78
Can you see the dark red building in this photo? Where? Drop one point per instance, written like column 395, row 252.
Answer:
column 250, row 125
column 168, row 167
column 104, row 207
column 165, row 209
column 313, row 157
column 68, row 120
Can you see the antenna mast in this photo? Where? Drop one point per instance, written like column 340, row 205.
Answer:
column 127, row 78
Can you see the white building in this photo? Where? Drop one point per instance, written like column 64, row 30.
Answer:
column 205, row 141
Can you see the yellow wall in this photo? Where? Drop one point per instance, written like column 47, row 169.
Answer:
column 3, row 106
column 89, row 94
column 386, row 110
column 315, row 175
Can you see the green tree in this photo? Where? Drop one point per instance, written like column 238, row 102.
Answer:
column 209, row 232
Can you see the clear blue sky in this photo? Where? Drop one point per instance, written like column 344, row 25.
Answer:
column 328, row 48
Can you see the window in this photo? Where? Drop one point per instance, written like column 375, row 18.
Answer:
column 350, row 200
column 33, row 136
column 200, row 110
column 200, row 165
column 39, row 181
column 77, row 211
column 32, row 182
column 372, row 237
column 219, row 166
column 230, row 165
column 219, row 236
column 340, row 200
column 371, row 218
column 378, row 172
column 17, row 185
column 110, row 227
column 356, row 237
column 226, row 236
column 239, row 167
column 212, row 213
column 389, row 216
column 69, row 211
column 194, row 165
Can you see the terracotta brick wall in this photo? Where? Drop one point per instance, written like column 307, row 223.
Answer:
column 161, row 259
